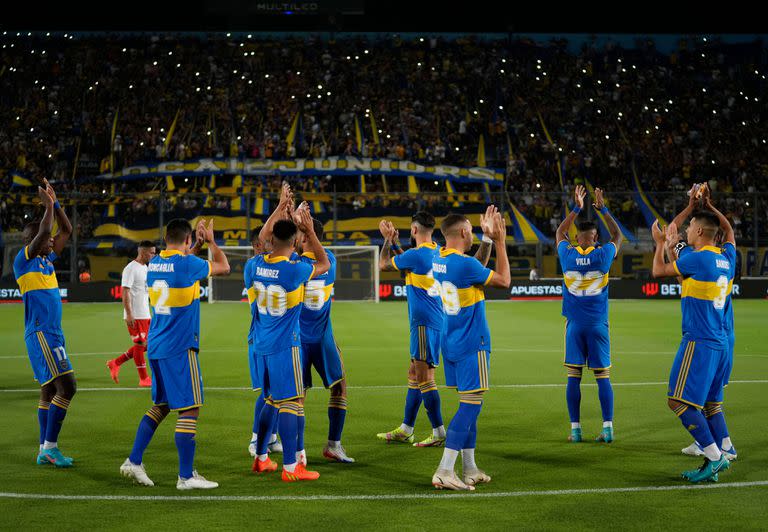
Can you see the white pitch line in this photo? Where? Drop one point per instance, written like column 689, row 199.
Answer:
column 382, row 497
column 375, row 387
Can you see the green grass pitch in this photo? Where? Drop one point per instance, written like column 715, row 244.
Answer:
column 521, row 443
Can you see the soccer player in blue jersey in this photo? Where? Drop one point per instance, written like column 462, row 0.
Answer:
column 173, row 278
column 466, row 339
column 278, row 285
column 426, row 321
column 318, row 345
column 36, row 276
column 676, row 249
column 702, row 363
column 585, row 307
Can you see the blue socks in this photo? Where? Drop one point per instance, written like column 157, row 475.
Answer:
column 287, row 427
column 146, row 430
column 716, row 422
column 42, row 418
column 267, row 421
column 431, row 399
column 605, row 394
column 257, row 412
column 56, row 414
column 460, row 429
column 412, row 403
column 337, row 413
column 186, row 428
column 573, row 397
column 695, row 423
column 300, row 420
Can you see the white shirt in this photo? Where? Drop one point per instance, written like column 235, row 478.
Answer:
column 135, row 280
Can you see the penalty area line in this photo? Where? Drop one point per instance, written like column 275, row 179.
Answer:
column 383, row 497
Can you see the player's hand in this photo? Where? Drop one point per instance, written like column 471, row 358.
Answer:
column 303, row 220
column 49, row 189
column 499, row 228
column 486, row 220
column 208, row 232
column 658, row 234
column 672, row 234
column 285, row 193
column 45, row 197
column 129, row 320
column 692, row 195
column 599, row 201
column 384, row 230
column 578, row 196
column 200, row 230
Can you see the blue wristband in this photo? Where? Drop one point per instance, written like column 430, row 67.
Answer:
column 395, row 246
column 577, row 210
column 604, row 210
column 56, row 205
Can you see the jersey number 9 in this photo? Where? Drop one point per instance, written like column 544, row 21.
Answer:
column 450, row 296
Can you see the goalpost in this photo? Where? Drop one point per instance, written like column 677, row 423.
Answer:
column 357, row 274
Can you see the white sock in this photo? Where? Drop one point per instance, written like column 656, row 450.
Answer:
column 334, row 444
column 439, row 432
column 273, row 439
column 576, row 425
column 727, row 445
column 290, row 467
column 449, row 459
column 50, row 445
column 41, row 446
column 607, row 424
column 468, row 459
column 405, row 428
column 254, row 437
column 712, row 451
column 301, row 456
column 263, row 457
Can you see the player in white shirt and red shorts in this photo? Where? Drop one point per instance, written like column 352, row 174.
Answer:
column 136, row 313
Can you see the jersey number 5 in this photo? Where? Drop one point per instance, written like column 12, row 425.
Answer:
column 314, row 295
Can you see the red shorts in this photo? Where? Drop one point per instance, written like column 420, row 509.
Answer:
column 139, row 331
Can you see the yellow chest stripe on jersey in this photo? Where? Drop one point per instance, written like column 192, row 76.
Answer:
column 176, row 297
column 294, row 297
column 706, row 290
column 585, row 283
column 251, row 295
column 470, row 296
column 37, row 281
column 424, row 282
column 328, row 291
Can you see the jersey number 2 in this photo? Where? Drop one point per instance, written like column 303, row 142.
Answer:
column 162, row 287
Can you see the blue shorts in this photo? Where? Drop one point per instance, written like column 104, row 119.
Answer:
column 425, row 345
column 325, row 357
column 176, row 381
column 587, row 345
column 280, row 375
column 468, row 374
column 698, row 374
column 253, row 367
column 47, row 355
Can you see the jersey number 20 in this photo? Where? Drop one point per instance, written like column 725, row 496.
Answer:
column 271, row 299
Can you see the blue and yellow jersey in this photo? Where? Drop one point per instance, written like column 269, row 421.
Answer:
column 423, row 297
column 173, row 280
column 253, row 329
column 36, row 277
column 277, row 289
column 585, row 281
column 730, row 252
column 707, row 279
column 461, row 279
column 316, row 312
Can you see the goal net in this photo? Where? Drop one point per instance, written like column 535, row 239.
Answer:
column 357, row 274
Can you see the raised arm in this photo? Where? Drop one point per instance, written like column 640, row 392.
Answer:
column 562, row 231
column 725, row 225
column 483, row 253
column 390, row 234
column 40, row 241
column 65, row 226
column 501, row 275
column 199, row 238
column 304, row 221
column 683, row 215
column 281, row 212
column 661, row 268
column 613, row 227
column 219, row 262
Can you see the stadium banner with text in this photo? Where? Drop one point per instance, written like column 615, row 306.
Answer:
column 618, row 289
column 342, row 166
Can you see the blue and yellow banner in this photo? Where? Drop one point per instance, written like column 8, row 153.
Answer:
column 523, row 230
column 650, row 214
column 19, row 180
column 342, row 166
column 291, row 138
column 602, row 224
